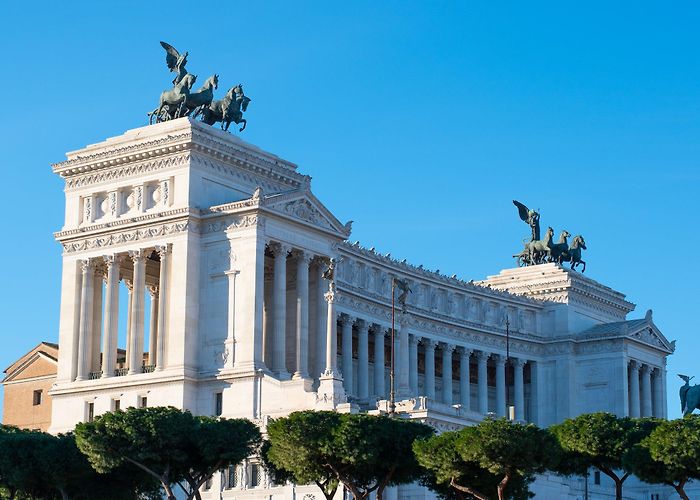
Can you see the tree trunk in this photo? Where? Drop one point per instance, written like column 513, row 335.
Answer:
column 168, row 491
column 466, row 489
column 680, row 490
column 502, row 486
column 618, row 481
column 63, row 493
column 618, row 489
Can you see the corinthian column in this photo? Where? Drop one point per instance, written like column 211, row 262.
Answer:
column 362, row 360
column 137, row 311
column 86, row 311
column 634, row 389
column 379, row 388
column 109, row 345
column 163, row 288
column 518, row 366
column 429, row 347
column 464, row 388
column 331, row 336
column 500, row 386
column 279, row 348
column 482, row 359
column 413, row 364
column 346, row 325
column 447, row 350
column 153, row 328
column 302, row 369
column 646, row 391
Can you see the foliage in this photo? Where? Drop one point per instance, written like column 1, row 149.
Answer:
column 669, row 455
column 444, row 465
column 171, row 445
column 601, row 440
column 64, row 471
column 366, row 453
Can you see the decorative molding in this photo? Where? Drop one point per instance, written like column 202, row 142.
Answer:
column 118, row 238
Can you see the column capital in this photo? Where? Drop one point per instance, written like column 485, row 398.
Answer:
column 465, row 351
column 279, row 249
column 303, row 257
column 345, row 318
column 88, row 265
column 153, row 290
column 448, row 347
column 645, row 368
column 137, row 255
column 378, row 329
column 482, row 355
column 519, row 362
column 164, row 250
column 414, row 340
column 634, row 364
column 429, row 343
column 500, row 359
column 362, row 325
column 113, row 259
column 129, row 284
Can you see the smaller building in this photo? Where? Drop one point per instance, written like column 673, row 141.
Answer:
column 27, row 403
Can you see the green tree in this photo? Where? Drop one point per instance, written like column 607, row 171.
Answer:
column 171, row 445
column 601, row 440
column 363, row 452
column 669, row 455
column 495, row 456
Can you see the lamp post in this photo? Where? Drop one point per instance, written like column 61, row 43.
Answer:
column 392, row 395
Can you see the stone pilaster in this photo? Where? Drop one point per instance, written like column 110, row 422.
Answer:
column 86, row 312
column 362, row 360
column 482, row 373
column 302, row 309
column 646, row 391
column 429, row 346
column 109, row 344
column 447, row 351
column 137, row 312
column 464, row 386
column 634, row 389
column 279, row 349
column 163, row 289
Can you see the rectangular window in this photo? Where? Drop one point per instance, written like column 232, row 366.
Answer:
column 144, row 401
column 232, row 478
column 596, row 477
column 116, row 405
column 90, row 412
column 219, row 405
column 37, row 397
column 254, row 476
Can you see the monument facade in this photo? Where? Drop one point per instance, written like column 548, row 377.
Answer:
column 200, row 271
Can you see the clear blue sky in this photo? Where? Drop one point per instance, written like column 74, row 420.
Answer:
column 420, row 121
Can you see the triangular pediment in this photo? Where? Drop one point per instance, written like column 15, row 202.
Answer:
column 39, row 362
column 303, row 206
column 649, row 333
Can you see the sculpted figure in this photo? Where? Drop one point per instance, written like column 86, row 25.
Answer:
column 176, row 62
column 573, row 254
column 560, row 248
column 405, row 289
column 174, row 101
column 202, row 97
column 532, row 217
column 690, row 396
column 227, row 110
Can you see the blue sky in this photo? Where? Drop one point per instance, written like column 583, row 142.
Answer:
column 418, row 120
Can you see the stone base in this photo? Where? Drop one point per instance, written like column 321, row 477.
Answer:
column 330, row 392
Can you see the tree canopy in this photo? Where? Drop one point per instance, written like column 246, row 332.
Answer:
column 601, row 440
column 495, row 456
column 171, row 445
column 669, row 455
column 365, row 453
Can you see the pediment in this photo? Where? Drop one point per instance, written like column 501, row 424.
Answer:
column 33, row 364
column 649, row 334
column 303, row 206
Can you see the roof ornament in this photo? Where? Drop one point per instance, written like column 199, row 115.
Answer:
column 539, row 251
column 181, row 101
column 689, row 395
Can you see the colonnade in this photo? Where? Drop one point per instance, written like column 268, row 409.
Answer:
column 646, row 397
column 96, row 339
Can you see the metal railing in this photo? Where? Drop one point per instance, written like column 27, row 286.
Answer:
column 94, row 375
column 148, row 368
column 120, row 372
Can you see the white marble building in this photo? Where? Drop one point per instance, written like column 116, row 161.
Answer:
column 222, row 245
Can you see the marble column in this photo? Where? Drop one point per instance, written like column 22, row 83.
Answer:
column 482, row 373
column 658, row 393
column 279, row 348
column 302, row 358
column 404, row 388
column 129, row 284
column 429, row 346
column 634, row 389
column 153, row 328
column 646, row 391
column 464, row 387
column 86, row 312
column 331, row 335
column 346, row 328
column 137, row 311
column 362, row 359
column 379, row 387
column 95, row 334
column 500, row 385
column 447, row 350
column 109, row 344
column 321, row 317
column 518, row 367
column 161, row 336
column 413, row 364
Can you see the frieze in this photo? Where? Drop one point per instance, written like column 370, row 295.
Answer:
column 137, row 234
column 124, row 221
column 233, row 222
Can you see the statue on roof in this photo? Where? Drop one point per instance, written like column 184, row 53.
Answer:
column 690, row 395
column 540, row 251
column 181, row 101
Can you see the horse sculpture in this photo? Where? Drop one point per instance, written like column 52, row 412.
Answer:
column 690, row 396
column 202, row 97
column 173, row 101
column 538, row 251
column 227, row 110
column 573, row 254
column 561, row 247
